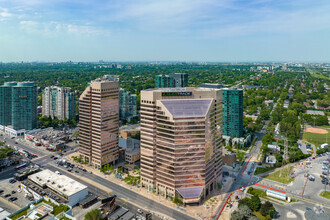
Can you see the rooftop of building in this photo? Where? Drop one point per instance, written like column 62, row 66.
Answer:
column 314, row 112
column 107, row 78
column 18, row 84
column 179, row 89
column 186, row 108
column 60, row 183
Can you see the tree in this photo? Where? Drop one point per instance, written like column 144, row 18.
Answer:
column 244, row 201
column 236, row 215
column 255, row 203
column 95, row 214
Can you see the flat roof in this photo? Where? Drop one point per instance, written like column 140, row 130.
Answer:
column 314, row 112
column 60, row 183
column 181, row 89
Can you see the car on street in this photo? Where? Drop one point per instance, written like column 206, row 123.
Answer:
column 311, row 177
column 12, row 181
column 57, row 172
column 13, row 198
column 13, row 192
column 52, row 156
column 7, row 195
column 1, row 191
column 76, row 171
column 139, row 211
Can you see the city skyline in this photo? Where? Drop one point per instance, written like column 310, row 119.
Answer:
column 220, row 31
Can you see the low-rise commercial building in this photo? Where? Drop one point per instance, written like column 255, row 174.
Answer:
column 58, row 187
column 43, row 208
column 132, row 149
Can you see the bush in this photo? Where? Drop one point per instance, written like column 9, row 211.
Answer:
column 255, row 203
column 95, row 214
column 177, row 201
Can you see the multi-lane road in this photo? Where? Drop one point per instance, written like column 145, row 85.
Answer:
column 129, row 196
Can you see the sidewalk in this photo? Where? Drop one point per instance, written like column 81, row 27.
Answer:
column 204, row 209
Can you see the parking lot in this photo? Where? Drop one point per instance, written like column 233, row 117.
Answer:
column 11, row 190
column 306, row 188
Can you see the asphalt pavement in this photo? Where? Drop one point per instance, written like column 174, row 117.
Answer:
column 124, row 193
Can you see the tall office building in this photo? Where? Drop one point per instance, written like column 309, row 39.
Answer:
column 173, row 80
column 180, row 79
column 99, row 122
column 181, row 142
column 18, row 105
column 232, row 112
column 127, row 105
column 58, row 102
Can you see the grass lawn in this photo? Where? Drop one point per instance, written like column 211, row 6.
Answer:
column 281, row 176
column 258, row 192
column 325, row 194
column 263, row 170
column 259, row 216
column 316, row 139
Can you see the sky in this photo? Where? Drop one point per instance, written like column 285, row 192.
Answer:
column 165, row 30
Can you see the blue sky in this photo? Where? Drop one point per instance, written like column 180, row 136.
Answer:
column 165, row 30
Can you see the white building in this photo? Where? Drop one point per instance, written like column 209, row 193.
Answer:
column 271, row 160
column 63, row 186
column 274, row 147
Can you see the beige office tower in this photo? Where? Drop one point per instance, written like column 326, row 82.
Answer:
column 181, row 142
column 99, row 122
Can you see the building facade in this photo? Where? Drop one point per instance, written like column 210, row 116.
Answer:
column 18, row 105
column 180, row 79
column 99, row 122
column 58, row 102
column 211, row 85
column 127, row 105
column 232, row 112
column 164, row 81
column 181, row 142
column 173, row 80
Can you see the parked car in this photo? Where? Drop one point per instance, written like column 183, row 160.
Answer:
column 13, row 192
column 7, row 195
column 12, row 181
column 325, row 181
column 139, row 211
column 1, row 191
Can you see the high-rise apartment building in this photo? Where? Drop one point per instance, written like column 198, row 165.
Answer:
column 18, row 105
column 58, row 102
column 99, row 122
column 232, row 112
column 180, row 79
column 164, row 81
column 181, row 142
column 173, row 80
column 127, row 105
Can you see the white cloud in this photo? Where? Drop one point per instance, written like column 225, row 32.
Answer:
column 53, row 27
